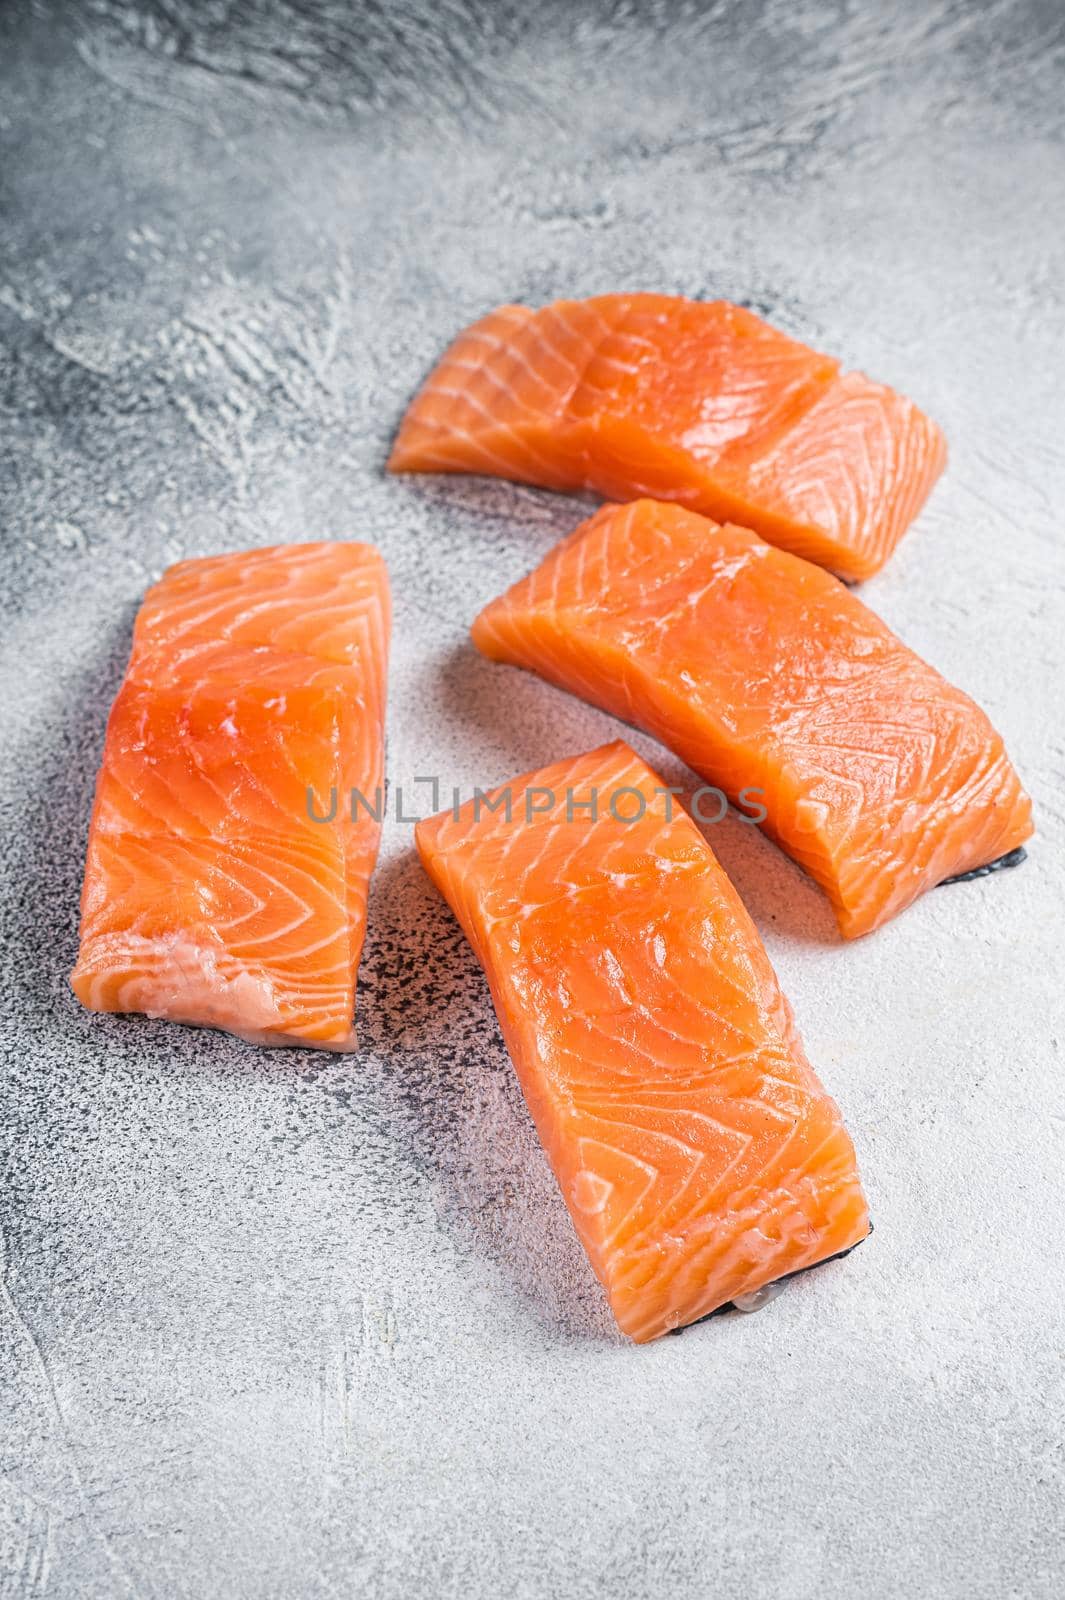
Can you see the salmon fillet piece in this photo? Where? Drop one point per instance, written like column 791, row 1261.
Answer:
column 252, row 705
column 765, row 673
column 698, row 1154
column 698, row 402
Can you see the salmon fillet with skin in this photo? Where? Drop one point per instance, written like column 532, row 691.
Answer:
column 698, row 1154
column 765, row 673
column 702, row 403
column 252, row 705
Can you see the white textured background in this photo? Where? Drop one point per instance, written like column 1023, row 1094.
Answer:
column 282, row 1325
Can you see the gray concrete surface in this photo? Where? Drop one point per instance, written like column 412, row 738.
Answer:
column 283, row 1325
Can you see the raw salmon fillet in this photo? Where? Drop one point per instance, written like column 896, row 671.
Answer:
column 698, row 1154
column 701, row 403
column 253, row 698
column 764, row 672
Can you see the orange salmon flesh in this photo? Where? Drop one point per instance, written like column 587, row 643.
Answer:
column 702, row 403
column 698, row 1154
column 210, row 894
column 764, row 672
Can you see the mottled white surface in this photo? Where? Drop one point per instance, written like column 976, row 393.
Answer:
column 288, row 1325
